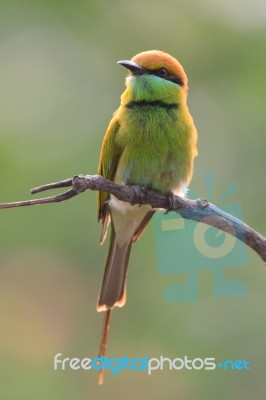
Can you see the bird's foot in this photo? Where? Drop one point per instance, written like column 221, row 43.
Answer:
column 139, row 195
column 171, row 202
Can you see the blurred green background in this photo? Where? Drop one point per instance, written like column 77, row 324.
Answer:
column 59, row 84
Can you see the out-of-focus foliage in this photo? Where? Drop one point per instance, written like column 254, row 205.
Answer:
column 59, row 84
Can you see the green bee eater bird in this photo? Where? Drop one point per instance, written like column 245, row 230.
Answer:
column 150, row 142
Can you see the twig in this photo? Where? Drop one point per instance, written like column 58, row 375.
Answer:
column 197, row 210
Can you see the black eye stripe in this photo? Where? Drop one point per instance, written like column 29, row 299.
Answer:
column 168, row 77
column 176, row 79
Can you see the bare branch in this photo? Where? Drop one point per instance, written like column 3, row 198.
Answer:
column 197, row 210
column 55, row 185
column 45, row 200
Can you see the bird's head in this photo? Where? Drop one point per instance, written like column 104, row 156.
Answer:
column 155, row 75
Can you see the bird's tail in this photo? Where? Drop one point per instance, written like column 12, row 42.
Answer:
column 103, row 343
column 113, row 290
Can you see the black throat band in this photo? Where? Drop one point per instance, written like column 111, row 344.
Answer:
column 154, row 103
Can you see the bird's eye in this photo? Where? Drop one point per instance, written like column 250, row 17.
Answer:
column 162, row 72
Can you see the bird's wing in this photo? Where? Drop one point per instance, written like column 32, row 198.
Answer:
column 109, row 157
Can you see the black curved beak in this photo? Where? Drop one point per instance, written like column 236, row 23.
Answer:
column 133, row 67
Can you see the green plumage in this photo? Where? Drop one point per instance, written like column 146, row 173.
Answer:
column 150, row 142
